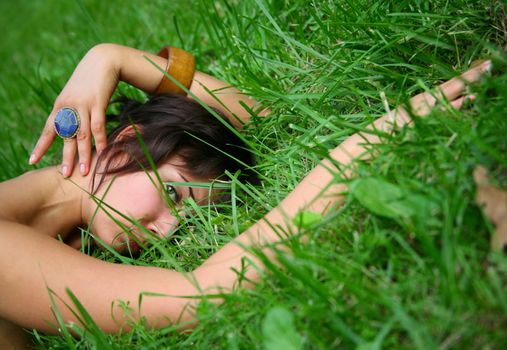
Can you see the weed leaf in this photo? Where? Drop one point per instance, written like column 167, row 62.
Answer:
column 388, row 200
column 279, row 332
column 306, row 219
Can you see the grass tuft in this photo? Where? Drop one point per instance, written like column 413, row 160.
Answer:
column 411, row 268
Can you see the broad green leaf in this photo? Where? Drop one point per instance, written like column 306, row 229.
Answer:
column 279, row 332
column 305, row 219
column 379, row 196
column 391, row 201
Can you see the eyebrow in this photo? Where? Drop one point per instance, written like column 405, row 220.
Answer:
column 189, row 188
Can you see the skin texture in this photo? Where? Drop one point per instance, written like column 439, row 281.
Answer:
column 136, row 196
column 44, row 261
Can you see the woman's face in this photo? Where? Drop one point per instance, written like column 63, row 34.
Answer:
column 140, row 198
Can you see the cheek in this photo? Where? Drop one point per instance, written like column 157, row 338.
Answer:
column 142, row 204
column 136, row 197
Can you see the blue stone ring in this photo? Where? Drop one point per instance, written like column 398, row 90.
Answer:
column 67, row 123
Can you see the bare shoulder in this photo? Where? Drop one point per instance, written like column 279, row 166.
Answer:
column 23, row 196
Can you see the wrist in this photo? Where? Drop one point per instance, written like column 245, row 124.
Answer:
column 181, row 67
column 110, row 55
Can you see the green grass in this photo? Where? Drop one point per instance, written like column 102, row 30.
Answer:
column 364, row 280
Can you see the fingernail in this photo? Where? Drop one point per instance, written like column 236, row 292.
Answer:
column 487, row 66
column 32, row 159
column 65, row 171
column 82, row 168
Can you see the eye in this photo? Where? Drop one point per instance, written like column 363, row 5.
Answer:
column 172, row 193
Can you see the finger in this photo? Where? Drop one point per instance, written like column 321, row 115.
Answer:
column 459, row 102
column 455, row 87
column 69, row 154
column 450, row 90
column 84, row 142
column 98, row 128
column 477, row 63
column 45, row 140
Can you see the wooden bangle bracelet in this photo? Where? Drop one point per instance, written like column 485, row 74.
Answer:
column 180, row 66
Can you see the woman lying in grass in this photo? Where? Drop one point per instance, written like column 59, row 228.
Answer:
column 43, row 204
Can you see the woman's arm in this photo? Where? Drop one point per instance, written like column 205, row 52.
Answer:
column 318, row 191
column 32, row 263
column 35, row 266
column 94, row 80
column 134, row 68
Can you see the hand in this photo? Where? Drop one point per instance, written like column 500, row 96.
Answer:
column 89, row 91
column 421, row 105
column 451, row 91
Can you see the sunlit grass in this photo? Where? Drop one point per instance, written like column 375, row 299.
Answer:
column 326, row 69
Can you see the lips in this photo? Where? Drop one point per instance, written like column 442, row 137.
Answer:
column 130, row 242
column 133, row 246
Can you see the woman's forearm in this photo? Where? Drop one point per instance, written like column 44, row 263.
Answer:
column 94, row 80
column 134, row 67
column 319, row 190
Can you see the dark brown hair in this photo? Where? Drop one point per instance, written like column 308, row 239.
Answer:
column 173, row 125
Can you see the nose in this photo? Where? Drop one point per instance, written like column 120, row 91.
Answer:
column 165, row 225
